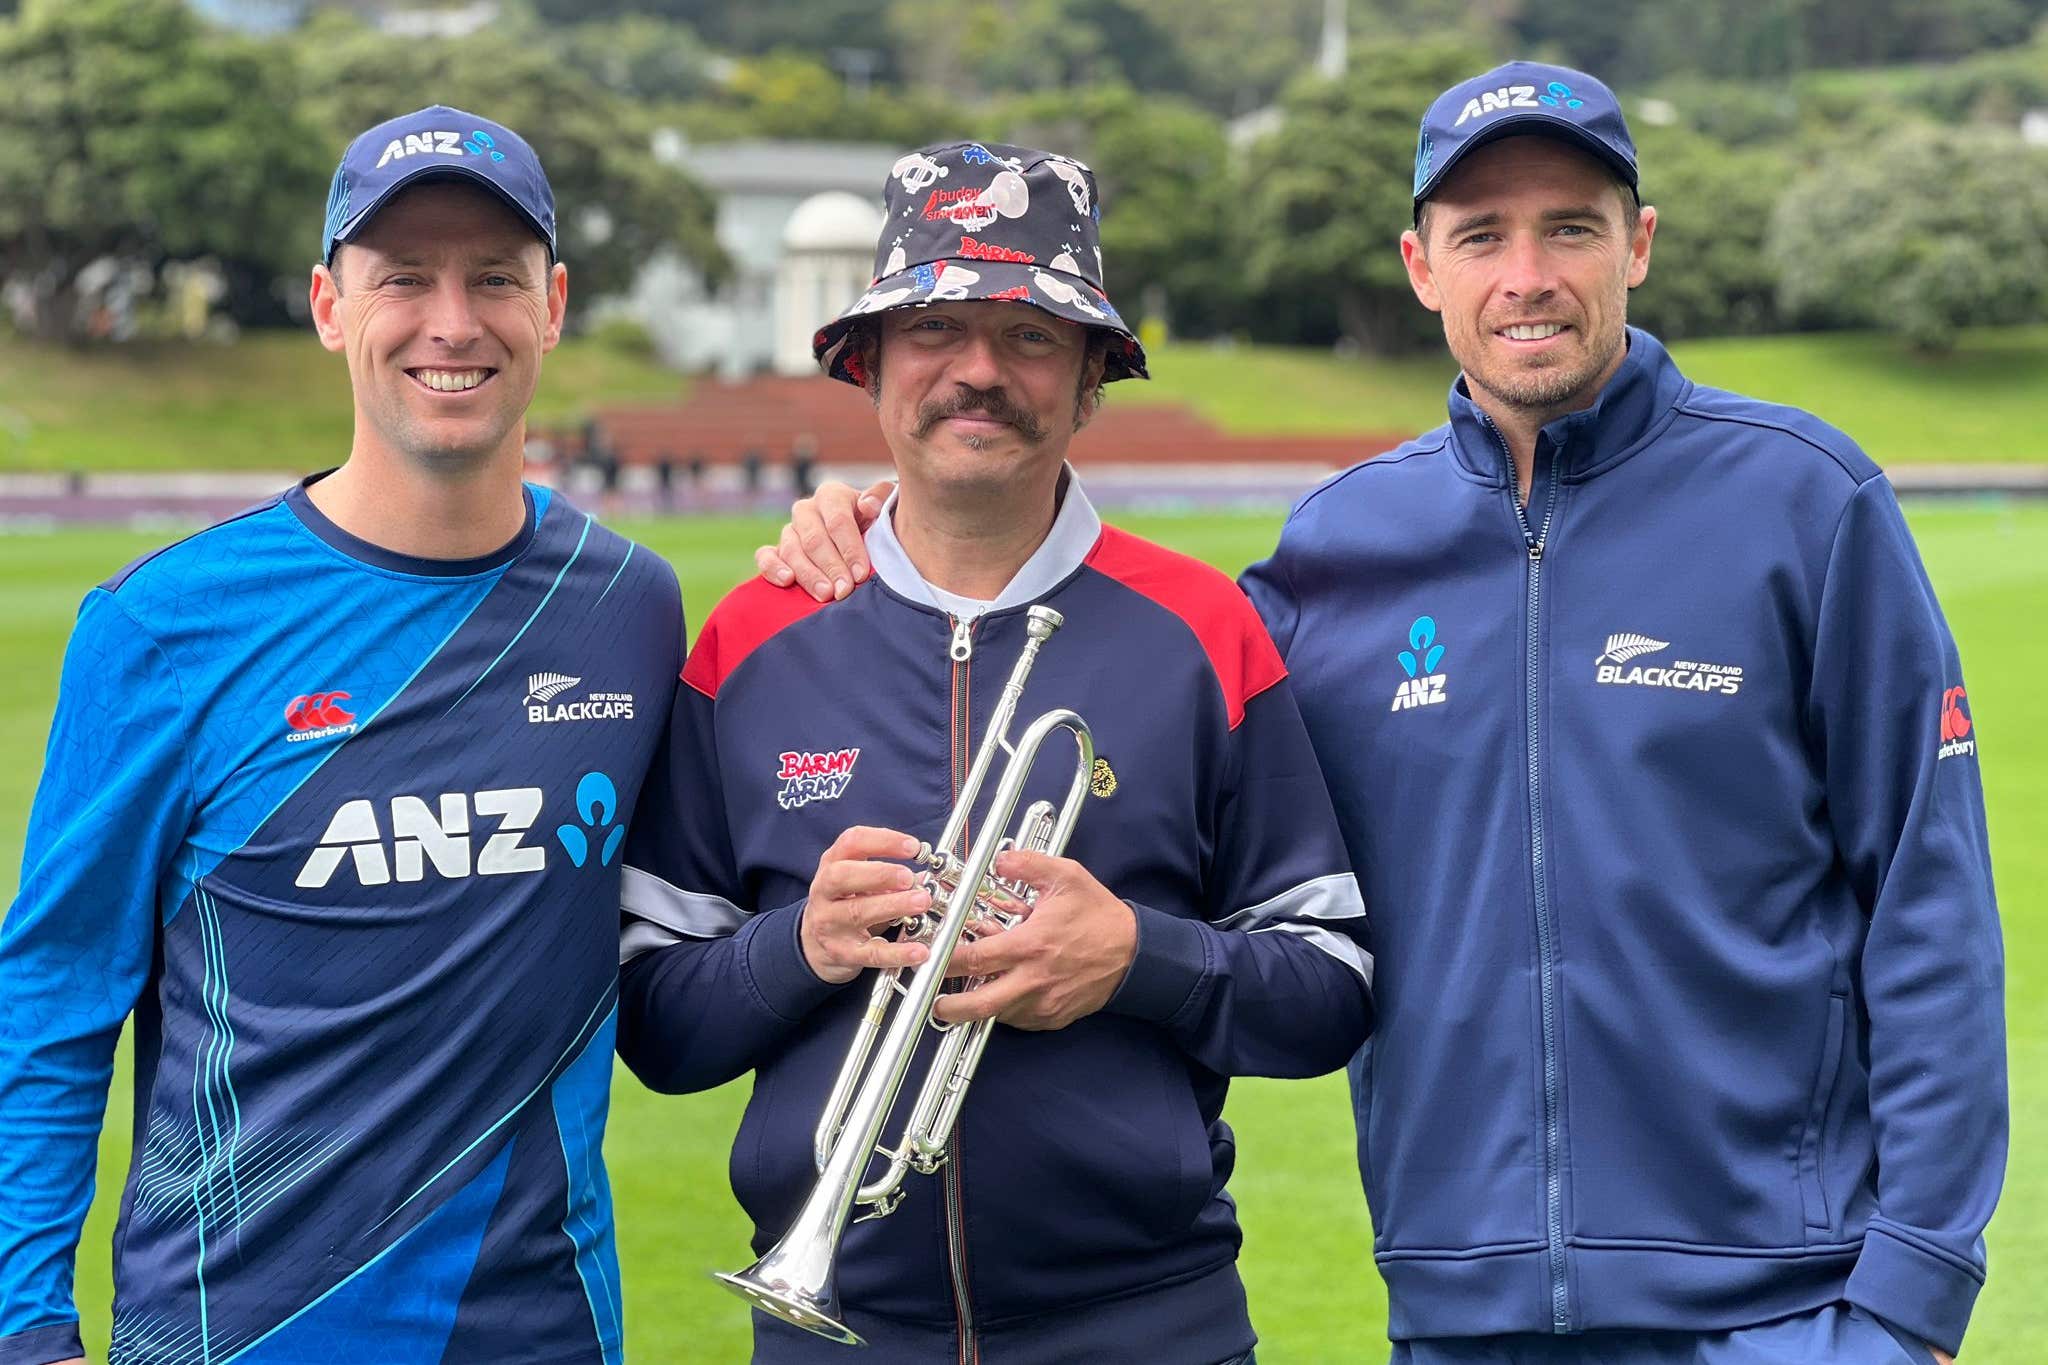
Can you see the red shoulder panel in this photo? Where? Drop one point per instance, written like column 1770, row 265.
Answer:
column 1218, row 612
column 744, row 620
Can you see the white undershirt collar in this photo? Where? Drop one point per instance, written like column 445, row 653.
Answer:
column 1075, row 529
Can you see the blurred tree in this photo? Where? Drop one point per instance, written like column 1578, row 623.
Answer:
column 789, row 95
column 642, row 58
column 1922, row 234
column 1864, row 32
column 975, row 48
column 1164, row 172
column 742, row 27
column 1709, row 272
column 1733, row 113
column 130, row 133
column 1717, row 38
column 1327, row 196
column 1636, row 40
column 755, row 27
column 1236, row 57
column 618, row 204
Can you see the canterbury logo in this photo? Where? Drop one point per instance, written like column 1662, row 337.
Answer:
column 545, row 687
column 1955, row 721
column 317, row 710
column 1622, row 648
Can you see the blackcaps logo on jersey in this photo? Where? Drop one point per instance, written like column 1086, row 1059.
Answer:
column 542, row 709
column 443, row 835
column 1613, row 668
column 808, row 777
column 1425, row 686
column 1955, row 726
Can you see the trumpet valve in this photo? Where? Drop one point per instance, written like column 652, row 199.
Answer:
column 880, row 1208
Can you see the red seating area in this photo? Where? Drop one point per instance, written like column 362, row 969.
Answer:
column 719, row 422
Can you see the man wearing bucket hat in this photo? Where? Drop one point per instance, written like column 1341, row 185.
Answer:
column 333, row 807
column 1653, row 752
column 1201, row 924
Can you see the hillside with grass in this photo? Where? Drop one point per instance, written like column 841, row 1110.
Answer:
column 276, row 401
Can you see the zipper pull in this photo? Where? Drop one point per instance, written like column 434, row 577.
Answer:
column 963, row 640
column 1535, row 552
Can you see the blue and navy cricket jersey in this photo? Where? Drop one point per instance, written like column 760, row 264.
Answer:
column 1082, row 1212
column 341, row 829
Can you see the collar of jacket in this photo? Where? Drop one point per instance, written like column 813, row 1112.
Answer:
column 1075, row 529
column 1634, row 406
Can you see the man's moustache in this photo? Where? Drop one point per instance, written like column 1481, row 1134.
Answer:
column 991, row 405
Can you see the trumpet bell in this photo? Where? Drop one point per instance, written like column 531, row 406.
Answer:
column 796, row 1306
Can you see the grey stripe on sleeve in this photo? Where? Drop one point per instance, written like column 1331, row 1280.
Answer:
column 1305, row 910
column 658, row 914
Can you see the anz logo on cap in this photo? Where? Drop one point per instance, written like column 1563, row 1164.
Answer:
column 1556, row 95
column 441, row 142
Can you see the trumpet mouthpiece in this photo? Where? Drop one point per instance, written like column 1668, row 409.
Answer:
column 1041, row 622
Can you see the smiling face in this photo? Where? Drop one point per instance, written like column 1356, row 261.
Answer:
column 982, row 396
column 1529, row 257
column 444, row 306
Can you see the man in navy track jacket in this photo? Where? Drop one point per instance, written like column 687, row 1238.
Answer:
column 1204, row 923
column 1654, row 757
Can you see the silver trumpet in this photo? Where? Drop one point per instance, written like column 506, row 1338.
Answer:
column 795, row 1281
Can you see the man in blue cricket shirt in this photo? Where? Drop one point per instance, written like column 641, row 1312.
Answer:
column 1654, row 756
column 333, row 808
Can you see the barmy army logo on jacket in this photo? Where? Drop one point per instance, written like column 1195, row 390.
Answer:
column 808, row 777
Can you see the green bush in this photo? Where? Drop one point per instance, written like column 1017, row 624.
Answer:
column 1920, row 234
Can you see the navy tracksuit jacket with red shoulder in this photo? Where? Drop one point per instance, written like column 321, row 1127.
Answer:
column 1082, row 1212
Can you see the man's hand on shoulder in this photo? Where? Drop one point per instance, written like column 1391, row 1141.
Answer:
column 821, row 548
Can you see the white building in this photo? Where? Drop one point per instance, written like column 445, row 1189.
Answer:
column 798, row 221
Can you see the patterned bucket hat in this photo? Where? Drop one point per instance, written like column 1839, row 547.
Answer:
column 983, row 220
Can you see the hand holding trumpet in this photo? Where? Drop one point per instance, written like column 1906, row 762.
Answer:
column 855, row 896
column 1061, row 962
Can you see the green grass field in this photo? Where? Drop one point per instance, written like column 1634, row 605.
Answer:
column 1306, row 1260
column 275, row 400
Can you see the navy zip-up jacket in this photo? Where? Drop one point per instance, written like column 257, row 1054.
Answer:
column 1082, row 1212
column 1665, row 795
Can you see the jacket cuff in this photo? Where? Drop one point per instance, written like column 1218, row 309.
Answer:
column 1171, row 960
column 1917, row 1290
column 774, row 958
column 41, row 1345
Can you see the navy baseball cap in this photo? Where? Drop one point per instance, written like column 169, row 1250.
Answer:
column 436, row 142
column 1523, row 97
